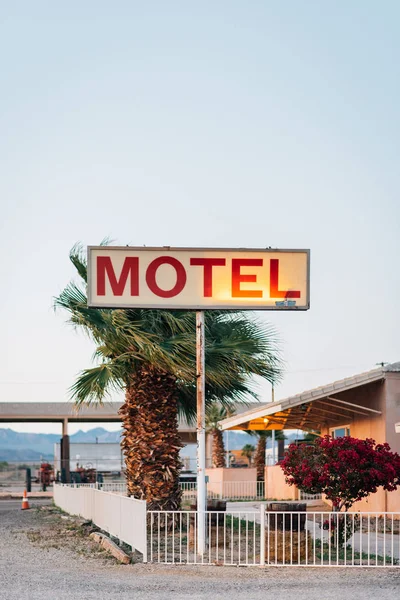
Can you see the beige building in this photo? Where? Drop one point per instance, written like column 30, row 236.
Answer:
column 363, row 406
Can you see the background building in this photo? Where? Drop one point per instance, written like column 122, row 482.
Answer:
column 105, row 458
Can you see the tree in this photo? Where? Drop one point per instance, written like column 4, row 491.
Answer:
column 214, row 415
column 345, row 469
column 248, row 451
column 150, row 355
column 259, row 458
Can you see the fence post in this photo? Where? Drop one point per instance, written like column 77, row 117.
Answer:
column 262, row 535
column 146, row 532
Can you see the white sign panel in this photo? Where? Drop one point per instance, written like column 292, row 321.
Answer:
column 198, row 278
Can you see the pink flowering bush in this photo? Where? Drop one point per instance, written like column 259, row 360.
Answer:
column 344, row 469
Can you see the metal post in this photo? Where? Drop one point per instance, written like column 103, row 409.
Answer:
column 64, row 454
column 273, row 447
column 201, row 434
column 262, row 535
column 273, row 431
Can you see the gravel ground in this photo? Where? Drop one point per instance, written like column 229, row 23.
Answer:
column 45, row 557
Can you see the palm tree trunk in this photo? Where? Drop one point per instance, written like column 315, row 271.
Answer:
column 151, row 441
column 218, row 451
column 260, row 457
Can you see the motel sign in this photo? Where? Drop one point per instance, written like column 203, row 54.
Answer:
column 198, row 278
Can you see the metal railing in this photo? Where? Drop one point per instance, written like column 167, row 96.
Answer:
column 227, row 490
column 277, row 538
column 232, row 538
column 304, row 496
column 113, row 486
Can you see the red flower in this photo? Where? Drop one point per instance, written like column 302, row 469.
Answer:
column 345, row 470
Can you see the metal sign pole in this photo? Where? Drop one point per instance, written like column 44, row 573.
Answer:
column 201, row 434
column 273, row 432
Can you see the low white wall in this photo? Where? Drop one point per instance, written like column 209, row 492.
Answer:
column 122, row 517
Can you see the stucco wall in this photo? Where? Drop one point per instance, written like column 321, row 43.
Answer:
column 276, row 486
column 232, row 482
column 362, row 426
column 380, row 502
column 231, row 474
column 392, row 410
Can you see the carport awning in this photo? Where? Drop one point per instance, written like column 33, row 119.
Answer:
column 309, row 410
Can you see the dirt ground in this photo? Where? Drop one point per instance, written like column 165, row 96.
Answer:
column 49, row 556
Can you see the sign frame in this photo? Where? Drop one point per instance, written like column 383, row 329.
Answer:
column 166, row 306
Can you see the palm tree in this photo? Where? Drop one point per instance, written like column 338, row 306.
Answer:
column 248, row 451
column 150, row 355
column 215, row 413
column 259, row 459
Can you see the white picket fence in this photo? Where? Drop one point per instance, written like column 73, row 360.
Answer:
column 118, row 515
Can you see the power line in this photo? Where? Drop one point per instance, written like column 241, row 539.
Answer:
column 320, row 369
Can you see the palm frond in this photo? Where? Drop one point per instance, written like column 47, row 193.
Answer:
column 77, row 256
column 95, row 385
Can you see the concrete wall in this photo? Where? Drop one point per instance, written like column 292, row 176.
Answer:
column 276, row 486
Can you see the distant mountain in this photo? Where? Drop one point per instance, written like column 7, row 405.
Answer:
column 98, row 434
column 23, row 455
column 16, row 446
column 42, row 443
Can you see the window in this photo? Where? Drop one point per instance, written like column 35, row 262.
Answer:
column 340, row 432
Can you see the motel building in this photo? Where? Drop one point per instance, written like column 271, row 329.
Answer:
column 363, row 406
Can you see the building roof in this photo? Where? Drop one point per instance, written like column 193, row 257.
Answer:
column 39, row 412
column 310, row 409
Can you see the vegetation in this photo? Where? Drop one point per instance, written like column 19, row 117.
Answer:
column 345, row 469
column 259, row 458
column 248, row 451
column 310, row 437
column 215, row 413
column 150, row 355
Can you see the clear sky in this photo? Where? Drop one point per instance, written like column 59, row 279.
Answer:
column 208, row 123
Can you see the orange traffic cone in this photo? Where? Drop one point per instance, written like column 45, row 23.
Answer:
column 25, row 503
